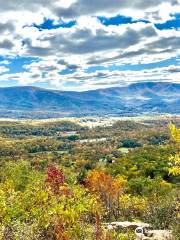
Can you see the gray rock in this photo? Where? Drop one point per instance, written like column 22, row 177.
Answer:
column 142, row 234
column 117, row 226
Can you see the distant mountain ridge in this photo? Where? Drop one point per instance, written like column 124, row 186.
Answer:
column 138, row 98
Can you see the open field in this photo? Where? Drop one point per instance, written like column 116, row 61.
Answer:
column 99, row 121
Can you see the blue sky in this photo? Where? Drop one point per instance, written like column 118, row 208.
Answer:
column 81, row 45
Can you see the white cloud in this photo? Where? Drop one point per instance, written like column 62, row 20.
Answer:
column 5, row 62
column 81, row 80
column 92, row 43
column 3, row 69
column 89, row 42
column 136, row 9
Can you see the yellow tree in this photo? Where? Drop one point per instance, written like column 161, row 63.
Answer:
column 175, row 160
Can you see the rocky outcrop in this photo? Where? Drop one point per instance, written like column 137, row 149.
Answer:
column 143, row 231
column 142, row 234
column 118, row 226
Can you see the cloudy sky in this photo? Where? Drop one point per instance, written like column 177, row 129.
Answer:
column 88, row 44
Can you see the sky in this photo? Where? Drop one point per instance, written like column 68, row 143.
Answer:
column 78, row 45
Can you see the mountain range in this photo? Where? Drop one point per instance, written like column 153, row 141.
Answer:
column 134, row 99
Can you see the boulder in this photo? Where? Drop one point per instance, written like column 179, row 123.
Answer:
column 142, row 230
column 119, row 226
column 142, row 234
column 161, row 234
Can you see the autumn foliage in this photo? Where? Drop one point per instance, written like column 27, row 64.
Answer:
column 57, row 188
column 60, row 232
column 107, row 188
column 175, row 160
column 55, row 181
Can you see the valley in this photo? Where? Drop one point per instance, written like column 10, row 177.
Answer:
column 86, row 173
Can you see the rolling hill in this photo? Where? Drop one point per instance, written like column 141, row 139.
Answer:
column 138, row 98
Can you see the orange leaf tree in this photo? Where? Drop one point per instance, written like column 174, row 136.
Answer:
column 107, row 188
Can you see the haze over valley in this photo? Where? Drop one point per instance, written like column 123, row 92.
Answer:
column 133, row 100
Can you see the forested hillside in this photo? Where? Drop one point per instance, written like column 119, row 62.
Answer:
column 63, row 181
column 134, row 99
